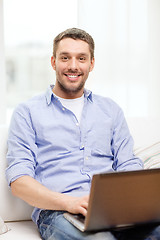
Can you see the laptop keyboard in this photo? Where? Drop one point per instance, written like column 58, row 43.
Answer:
column 80, row 217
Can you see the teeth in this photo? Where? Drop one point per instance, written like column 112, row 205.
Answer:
column 72, row 76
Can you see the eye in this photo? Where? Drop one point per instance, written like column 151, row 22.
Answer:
column 64, row 58
column 82, row 59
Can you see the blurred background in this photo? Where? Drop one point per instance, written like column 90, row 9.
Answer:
column 127, row 54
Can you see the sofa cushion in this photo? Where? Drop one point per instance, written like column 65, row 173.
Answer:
column 150, row 155
column 25, row 230
column 3, row 227
column 144, row 130
column 11, row 208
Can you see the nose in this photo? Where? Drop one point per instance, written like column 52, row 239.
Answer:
column 73, row 64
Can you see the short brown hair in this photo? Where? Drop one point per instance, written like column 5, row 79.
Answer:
column 76, row 34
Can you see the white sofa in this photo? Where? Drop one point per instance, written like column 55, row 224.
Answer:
column 17, row 214
column 14, row 212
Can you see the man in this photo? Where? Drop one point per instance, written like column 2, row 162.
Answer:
column 58, row 140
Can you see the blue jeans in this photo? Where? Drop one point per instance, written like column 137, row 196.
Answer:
column 53, row 226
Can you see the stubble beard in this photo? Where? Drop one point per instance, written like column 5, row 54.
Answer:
column 71, row 90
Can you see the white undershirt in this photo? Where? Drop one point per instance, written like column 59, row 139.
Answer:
column 75, row 105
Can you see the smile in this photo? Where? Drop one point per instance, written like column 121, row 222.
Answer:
column 73, row 76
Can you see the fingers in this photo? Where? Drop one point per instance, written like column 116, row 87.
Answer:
column 84, row 205
column 78, row 205
column 83, row 211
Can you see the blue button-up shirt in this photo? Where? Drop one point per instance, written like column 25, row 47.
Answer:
column 47, row 143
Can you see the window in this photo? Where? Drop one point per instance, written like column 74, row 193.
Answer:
column 30, row 27
column 126, row 34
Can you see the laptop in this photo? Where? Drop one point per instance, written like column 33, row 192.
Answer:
column 121, row 199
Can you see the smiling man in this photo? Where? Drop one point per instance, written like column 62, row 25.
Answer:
column 72, row 62
column 59, row 139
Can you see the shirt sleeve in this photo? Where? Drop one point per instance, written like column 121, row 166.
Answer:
column 122, row 146
column 22, row 150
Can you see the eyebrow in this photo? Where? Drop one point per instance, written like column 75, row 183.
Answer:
column 63, row 53
column 67, row 53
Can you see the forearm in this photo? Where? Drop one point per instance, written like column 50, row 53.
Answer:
column 37, row 195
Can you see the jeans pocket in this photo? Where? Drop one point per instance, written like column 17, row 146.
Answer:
column 48, row 222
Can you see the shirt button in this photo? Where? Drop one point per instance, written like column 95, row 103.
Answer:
column 77, row 124
column 82, row 147
column 86, row 158
column 63, row 109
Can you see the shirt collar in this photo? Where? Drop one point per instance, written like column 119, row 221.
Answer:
column 88, row 94
column 49, row 94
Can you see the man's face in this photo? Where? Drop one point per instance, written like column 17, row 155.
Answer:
column 72, row 65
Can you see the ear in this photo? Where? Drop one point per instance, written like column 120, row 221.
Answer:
column 92, row 64
column 53, row 60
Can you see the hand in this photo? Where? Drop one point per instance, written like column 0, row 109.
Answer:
column 77, row 205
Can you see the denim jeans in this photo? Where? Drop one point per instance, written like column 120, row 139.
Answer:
column 53, row 226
